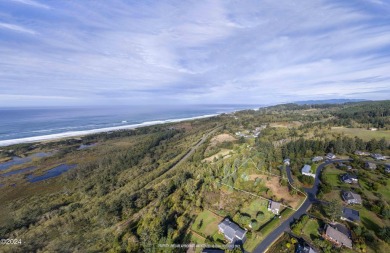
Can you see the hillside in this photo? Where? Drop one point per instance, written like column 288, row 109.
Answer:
column 138, row 190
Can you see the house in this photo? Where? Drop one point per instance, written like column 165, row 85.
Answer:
column 337, row 237
column 274, row 207
column 378, row 157
column 349, row 179
column 306, row 170
column 373, row 129
column 387, row 168
column 231, row 231
column 305, row 248
column 361, row 153
column 286, row 161
column 351, row 197
column 371, row 166
column 350, row 215
column 330, row 156
column 317, row 159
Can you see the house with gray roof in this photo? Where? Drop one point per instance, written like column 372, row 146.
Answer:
column 351, row 215
column 337, row 237
column 349, row 178
column 231, row 231
column 371, row 166
column 274, row 207
column 306, row 170
column 317, row 159
column 378, row 157
column 351, row 197
column 305, row 248
column 330, row 156
column 361, row 153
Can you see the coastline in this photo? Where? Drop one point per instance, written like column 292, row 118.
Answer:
column 51, row 137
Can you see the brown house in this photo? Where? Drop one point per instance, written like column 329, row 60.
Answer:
column 337, row 237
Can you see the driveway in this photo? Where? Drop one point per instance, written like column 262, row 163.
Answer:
column 288, row 171
column 285, row 226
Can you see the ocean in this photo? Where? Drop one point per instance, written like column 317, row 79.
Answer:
column 19, row 125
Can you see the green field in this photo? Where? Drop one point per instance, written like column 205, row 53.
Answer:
column 267, row 225
column 332, row 176
column 310, row 230
column 363, row 133
column 206, row 223
column 252, row 209
column 255, row 207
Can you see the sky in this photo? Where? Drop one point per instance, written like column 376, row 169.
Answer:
column 192, row 52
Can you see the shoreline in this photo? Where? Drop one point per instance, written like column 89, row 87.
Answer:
column 50, row 137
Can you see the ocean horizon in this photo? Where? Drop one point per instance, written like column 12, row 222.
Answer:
column 26, row 125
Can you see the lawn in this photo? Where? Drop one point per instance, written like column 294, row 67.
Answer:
column 256, row 206
column 267, row 226
column 270, row 226
column 334, row 194
column 372, row 222
column 363, row 133
column 314, row 167
column 310, row 230
column 385, row 190
column 206, row 223
column 197, row 239
column 332, row 176
column 252, row 209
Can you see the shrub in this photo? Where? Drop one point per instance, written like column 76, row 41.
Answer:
column 260, row 215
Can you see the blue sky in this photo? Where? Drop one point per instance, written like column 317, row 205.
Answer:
column 190, row 52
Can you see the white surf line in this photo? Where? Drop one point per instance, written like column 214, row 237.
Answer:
column 95, row 131
column 258, row 196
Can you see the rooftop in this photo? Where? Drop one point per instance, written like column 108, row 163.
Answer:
column 338, row 236
column 349, row 177
column 275, row 205
column 306, row 169
column 348, row 195
column 351, row 214
column 231, row 230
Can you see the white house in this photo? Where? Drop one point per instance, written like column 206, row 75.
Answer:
column 306, row 170
column 330, row 156
column 274, row 207
column 378, row 157
column 317, row 159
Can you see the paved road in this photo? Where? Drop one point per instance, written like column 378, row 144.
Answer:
column 285, row 225
column 290, row 179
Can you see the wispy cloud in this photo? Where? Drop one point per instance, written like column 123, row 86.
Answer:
column 16, row 28
column 32, row 3
column 196, row 52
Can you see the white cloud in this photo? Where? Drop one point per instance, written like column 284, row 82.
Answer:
column 217, row 51
column 16, row 28
column 33, row 3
